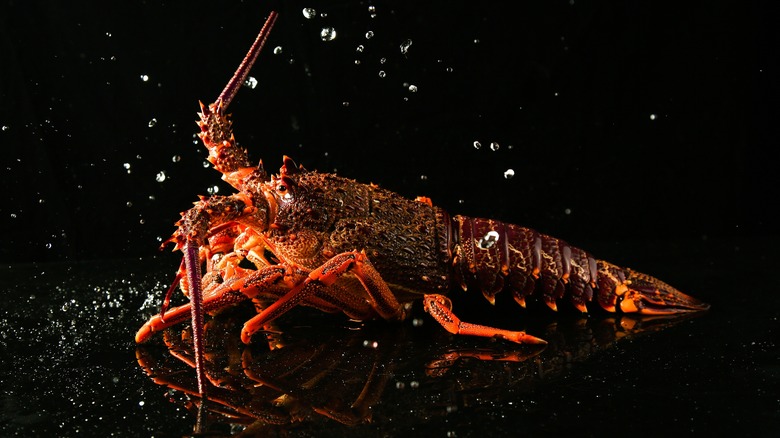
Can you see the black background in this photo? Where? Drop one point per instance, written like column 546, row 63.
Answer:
column 688, row 195
column 571, row 86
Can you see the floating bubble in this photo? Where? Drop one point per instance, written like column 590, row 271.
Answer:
column 152, row 122
column 250, row 82
column 160, row 177
column 477, row 145
column 327, row 34
column 176, row 158
column 360, row 48
column 652, row 116
column 494, row 146
column 369, row 34
column 405, row 46
column 278, row 50
column 382, row 73
column 309, row 13
column 413, row 88
column 145, row 78
column 509, row 173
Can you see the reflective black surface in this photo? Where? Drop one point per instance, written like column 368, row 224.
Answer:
column 638, row 132
column 70, row 365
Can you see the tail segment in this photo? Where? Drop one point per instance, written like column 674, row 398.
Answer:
column 493, row 256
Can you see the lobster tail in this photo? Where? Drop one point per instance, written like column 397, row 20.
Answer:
column 494, row 256
column 634, row 291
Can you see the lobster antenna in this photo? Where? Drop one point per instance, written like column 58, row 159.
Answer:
column 242, row 72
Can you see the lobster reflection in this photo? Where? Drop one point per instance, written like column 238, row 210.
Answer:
column 354, row 374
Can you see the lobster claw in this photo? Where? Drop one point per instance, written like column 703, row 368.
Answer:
column 650, row 296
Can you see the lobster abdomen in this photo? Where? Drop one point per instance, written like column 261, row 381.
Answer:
column 494, row 256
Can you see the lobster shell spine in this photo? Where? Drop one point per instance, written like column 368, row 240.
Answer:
column 492, row 256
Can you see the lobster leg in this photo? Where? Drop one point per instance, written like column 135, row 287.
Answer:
column 229, row 293
column 382, row 300
column 440, row 307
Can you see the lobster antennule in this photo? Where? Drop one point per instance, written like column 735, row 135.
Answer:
column 242, row 72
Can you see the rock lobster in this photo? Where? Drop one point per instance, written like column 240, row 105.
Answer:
column 316, row 239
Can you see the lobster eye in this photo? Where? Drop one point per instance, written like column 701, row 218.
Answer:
column 281, row 188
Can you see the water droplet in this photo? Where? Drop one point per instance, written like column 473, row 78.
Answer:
column 423, row 177
column 509, row 173
column 176, row 158
column 370, row 344
column 494, row 146
column 357, row 62
column 152, row 122
column 461, row 201
column 323, row 15
column 360, row 48
column 126, row 166
column 477, row 145
column 382, row 73
column 129, row 204
column 448, row 69
column 405, row 46
column 250, row 82
column 206, row 164
column 413, row 88
column 6, row 128
column 141, row 403
column 48, row 245
column 372, row 9
column 652, row 116
column 417, row 322
column 400, row 385
column 13, row 215
column 382, row 60
column 278, row 50
column 476, row 40
column 160, row 177
column 488, row 240
column 327, row 34
column 345, row 104
column 369, row 34
column 567, row 211
column 108, row 34
column 309, row 13
column 145, row 78
column 414, row 384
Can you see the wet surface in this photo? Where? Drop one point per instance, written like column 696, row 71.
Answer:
column 70, row 365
